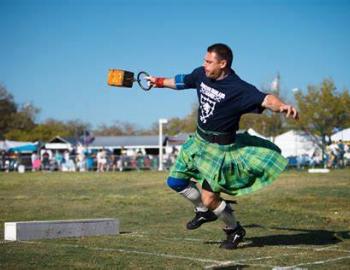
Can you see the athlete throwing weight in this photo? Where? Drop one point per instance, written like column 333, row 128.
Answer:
column 217, row 158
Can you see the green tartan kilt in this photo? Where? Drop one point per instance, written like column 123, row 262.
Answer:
column 239, row 168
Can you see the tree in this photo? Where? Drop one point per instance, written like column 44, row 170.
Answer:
column 49, row 129
column 117, row 129
column 344, row 117
column 177, row 125
column 77, row 128
column 322, row 109
column 15, row 121
column 41, row 132
column 8, row 107
column 24, row 118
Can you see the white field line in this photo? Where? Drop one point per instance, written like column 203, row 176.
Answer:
column 164, row 255
column 329, row 248
column 215, row 263
column 137, row 234
column 247, row 262
column 312, row 263
column 189, row 239
column 240, row 262
column 245, row 243
column 340, row 250
column 324, row 248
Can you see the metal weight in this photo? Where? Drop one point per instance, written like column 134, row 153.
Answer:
column 123, row 78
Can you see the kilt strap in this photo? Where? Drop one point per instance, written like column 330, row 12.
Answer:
column 222, row 139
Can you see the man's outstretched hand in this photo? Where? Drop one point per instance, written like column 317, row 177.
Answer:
column 290, row 111
column 276, row 105
column 161, row 82
column 151, row 81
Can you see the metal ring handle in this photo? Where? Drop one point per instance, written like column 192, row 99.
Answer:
column 139, row 81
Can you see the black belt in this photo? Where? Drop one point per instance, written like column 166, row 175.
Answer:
column 217, row 138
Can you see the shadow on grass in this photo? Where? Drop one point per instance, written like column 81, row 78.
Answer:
column 230, row 267
column 301, row 237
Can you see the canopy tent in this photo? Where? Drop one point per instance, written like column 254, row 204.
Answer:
column 343, row 135
column 297, row 143
column 177, row 139
column 26, row 148
column 6, row 145
column 59, row 143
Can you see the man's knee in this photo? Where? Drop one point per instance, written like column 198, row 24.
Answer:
column 210, row 200
column 177, row 184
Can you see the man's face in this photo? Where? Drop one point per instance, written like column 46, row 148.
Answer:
column 213, row 66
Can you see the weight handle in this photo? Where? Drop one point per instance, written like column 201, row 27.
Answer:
column 139, row 81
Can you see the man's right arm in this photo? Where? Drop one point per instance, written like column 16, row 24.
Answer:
column 161, row 82
column 178, row 82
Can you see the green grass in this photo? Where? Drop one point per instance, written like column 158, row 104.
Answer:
column 302, row 220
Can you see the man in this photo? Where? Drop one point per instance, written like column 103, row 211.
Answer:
column 217, row 158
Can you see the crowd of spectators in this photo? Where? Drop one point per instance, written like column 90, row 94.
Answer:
column 336, row 155
column 82, row 159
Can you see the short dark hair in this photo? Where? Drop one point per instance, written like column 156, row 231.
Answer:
column 223, row 51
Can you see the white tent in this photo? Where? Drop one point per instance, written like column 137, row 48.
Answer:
column 296, row 143
column 343, row 135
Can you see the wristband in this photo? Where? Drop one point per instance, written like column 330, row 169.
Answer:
column 159, row 82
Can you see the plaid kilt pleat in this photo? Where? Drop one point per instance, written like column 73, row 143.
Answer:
column 240, row 168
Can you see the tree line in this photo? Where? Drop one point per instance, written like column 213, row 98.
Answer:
column 322, row 110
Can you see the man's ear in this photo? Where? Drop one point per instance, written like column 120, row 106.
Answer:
column 223, row 63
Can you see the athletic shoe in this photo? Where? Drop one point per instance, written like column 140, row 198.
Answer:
column 234, row 237
column 200, row 218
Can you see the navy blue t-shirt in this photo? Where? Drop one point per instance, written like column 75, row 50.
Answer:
column 221, row 102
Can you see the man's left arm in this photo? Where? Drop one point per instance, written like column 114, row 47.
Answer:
column 274, row 104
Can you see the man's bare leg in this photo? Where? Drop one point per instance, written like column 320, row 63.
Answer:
column 220, row 208
column 233, row 230
column 188, row 190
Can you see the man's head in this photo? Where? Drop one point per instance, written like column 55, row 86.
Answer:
column 217, row 60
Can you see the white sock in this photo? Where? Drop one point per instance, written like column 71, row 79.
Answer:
column 225, row 213
column 194, row 196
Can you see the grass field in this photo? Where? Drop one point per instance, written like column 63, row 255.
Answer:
column 300, row 222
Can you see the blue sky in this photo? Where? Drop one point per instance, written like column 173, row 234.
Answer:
column 56, row 54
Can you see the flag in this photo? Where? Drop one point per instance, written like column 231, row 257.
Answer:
column 87, row 138
column 275, row 84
